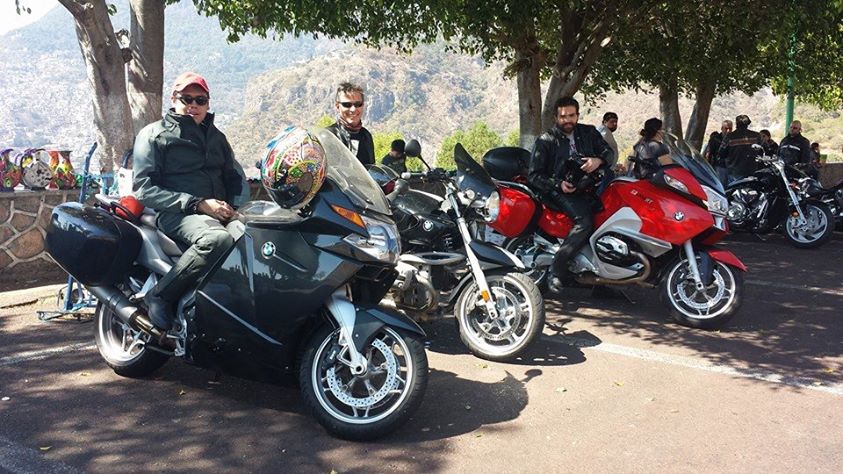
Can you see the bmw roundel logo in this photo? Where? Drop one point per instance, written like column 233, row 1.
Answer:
column 679, row 215
column 427, row 226
column 268, row 249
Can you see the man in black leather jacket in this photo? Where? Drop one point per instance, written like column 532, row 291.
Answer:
column 184, row 168
column 350, row 104
column 794, row 148
column 737, row 151
column 562, row 169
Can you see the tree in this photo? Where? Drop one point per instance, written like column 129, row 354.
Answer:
column 123, row 101
column 477, row 140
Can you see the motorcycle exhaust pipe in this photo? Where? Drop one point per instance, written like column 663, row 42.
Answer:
column 127, row 311
column 591, row 279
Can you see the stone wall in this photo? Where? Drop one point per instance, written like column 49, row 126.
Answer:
column 24, row 216
column 831, row 174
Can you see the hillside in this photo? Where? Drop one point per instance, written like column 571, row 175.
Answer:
column 258, row 85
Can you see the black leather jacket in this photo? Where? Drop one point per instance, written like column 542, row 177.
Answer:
column 365, row 147
column 795, row 149
column 552, row 150
column 737, row 153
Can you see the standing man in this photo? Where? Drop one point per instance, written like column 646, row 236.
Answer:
column 396, row 159
column 771, row 148
column 349, row 102
column 606, row 129
column 736, row 150
column 561, row 168
column 794, row 148
column 184, row 168
column 712, row 150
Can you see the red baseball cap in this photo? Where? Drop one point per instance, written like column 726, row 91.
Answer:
column 190, row 78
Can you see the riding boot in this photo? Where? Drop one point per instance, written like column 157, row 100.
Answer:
column 160, row 311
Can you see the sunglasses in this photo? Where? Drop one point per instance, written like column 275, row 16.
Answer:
column 188, row 99
column 348, row 105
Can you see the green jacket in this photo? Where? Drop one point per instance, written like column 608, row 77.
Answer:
column 178, row 163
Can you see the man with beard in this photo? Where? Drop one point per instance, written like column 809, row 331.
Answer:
column 350, row 104
column 562, row 170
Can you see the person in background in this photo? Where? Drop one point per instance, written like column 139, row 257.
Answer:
column 712, row 149
column 606, row 129
column 771, row 148
column 184, row 168
column 794, row 148
column 737, row 152
column 650, row 152
column 396, row 159
column 350, row 104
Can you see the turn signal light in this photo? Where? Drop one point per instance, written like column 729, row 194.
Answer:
column 349, row 214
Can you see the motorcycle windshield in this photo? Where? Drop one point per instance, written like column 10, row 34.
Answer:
column 471, row 174
column 346, row 171
column 689, row 158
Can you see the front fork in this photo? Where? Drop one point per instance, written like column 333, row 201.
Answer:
column 793, row 198
column 343, row 311
column 701, row 277
column 473, row 263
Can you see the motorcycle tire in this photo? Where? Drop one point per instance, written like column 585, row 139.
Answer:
column 677, row 284
column 342, row 403
column 489, row 339
column 115, row 340
column 538, row 275
column 820, row 234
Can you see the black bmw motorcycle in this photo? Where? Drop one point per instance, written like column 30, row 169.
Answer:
column 770, row 199
column 296, row 295
column 446, row 265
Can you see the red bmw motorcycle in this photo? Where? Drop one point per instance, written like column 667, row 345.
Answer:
column 657, row 231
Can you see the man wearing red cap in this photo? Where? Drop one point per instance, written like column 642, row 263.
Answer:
column 184, row 168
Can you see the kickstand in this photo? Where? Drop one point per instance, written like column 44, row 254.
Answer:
column 759, row 237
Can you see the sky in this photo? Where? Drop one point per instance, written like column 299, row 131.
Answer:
column 10, row 20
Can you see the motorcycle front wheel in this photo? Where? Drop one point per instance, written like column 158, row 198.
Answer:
column 367, row 406
column 709, row 307
column 816, row 230
column 124, row 348
column 520, row 316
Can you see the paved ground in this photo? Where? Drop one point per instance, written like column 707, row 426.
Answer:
column 611, row 386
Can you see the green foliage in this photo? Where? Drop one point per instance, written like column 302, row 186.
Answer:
column 383, row 140
column 513, row 138
column 325, row 121
column 477, row 140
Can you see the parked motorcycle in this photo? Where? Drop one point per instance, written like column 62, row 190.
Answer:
column 770, row 199
column 658, row 231
column 498, row 309
column 296, row 295
column 810, row 188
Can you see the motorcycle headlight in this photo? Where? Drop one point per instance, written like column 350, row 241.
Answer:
column 493, row 207
column 383, row 242
column 676, row 184
column 716, row 203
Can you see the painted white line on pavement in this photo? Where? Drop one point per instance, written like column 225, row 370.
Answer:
column 692, row 363
column 44, row 353
column 788, row 286
column 22, row 460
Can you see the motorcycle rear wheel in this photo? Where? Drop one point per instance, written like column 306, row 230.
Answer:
column 520, row 308
column 817, row 230
column 706, row 309
column 123, row 348
column 369, row 406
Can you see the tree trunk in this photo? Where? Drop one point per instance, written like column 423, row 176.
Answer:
column 106, row 74
column 695, row 132
column 146, row 69
column 669, row 108
column 529, row 96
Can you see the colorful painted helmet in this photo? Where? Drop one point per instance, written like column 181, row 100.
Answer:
column 36, row 172
column 10, row 173
column 293, row 168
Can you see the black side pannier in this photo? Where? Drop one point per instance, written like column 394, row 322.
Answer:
column 505, row 163
column 91, row 244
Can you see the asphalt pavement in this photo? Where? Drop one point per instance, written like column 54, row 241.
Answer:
column 611, row 386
